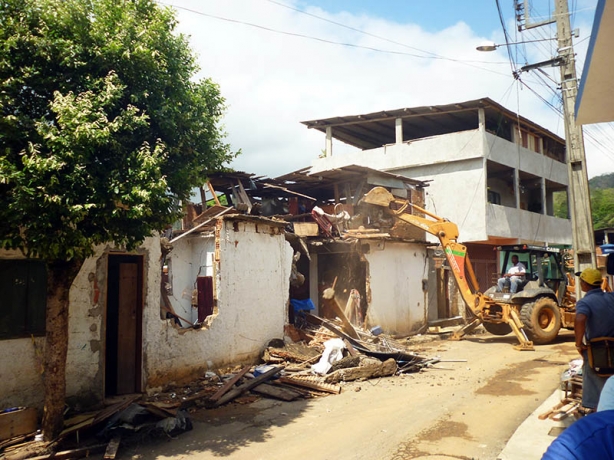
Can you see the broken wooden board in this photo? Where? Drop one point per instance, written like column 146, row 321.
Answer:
column 162, row 410
column 235, row 392
column 111, row 451
column 229, row 384
column 99, row 416
column 331, row 303
column 17, row 422
column 561, row 410
column 350, row 348
column 549, row 412
column 74, row 453
column 368, row 369
column 27, row 450
column 277, row 392
column 16, row 440
column 365, row 236
column 565, row 412
column 313, row 383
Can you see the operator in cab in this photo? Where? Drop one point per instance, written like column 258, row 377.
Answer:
column 513, row 277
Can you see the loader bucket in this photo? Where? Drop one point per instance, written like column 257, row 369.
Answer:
column 378, row 196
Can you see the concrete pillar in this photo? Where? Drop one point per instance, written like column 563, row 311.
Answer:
column 482, row 120
column 544, row 204
column 517, row 188
column 329, row 141
column 398, row 128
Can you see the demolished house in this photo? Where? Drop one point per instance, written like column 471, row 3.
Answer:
column 378, row 266
column 215, row 289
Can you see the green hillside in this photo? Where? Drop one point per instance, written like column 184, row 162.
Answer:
column 601, row 182
column 602, row 200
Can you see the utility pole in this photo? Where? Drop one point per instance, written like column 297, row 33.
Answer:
column 578, row 194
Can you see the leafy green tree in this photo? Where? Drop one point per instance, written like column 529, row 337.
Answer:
column 103, row 131
column 560, row 205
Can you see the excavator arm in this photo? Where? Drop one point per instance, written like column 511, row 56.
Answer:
column 458, row 260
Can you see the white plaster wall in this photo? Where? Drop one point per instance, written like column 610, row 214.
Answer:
column 457, row 192
column 434, row 150
column 398, row 303
column 21, row 381
column 252, row 285
column 20, row 365
column 85, row 344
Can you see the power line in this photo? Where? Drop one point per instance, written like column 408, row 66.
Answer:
column 332, row 42
column 368, row 33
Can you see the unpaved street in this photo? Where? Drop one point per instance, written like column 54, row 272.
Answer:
column 468, row 410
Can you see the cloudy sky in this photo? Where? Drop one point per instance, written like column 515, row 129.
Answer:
column 280, row 62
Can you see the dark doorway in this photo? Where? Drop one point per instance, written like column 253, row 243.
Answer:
column 124, row 325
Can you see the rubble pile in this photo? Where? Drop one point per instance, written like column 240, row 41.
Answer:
column 330, row 354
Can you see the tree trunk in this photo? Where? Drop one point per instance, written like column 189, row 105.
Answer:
column 60, row 275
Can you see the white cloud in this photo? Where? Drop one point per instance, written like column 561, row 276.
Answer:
column 272, row 82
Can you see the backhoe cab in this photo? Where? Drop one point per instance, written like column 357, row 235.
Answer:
column 532, row 314
column 543, row 299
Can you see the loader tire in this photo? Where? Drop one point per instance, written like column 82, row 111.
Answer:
column 498, row 328
column 541, row 320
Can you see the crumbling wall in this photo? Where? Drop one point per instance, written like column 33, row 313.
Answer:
column 191, row 257
column 253, row 263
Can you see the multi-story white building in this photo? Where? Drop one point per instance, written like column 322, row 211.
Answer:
column 492, row 172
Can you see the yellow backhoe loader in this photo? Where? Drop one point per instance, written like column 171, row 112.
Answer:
column 534, row 314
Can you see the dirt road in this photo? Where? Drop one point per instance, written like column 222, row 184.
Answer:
column 464, row 410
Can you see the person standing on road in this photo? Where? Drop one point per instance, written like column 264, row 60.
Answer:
column 514, row 276
column 594, row 318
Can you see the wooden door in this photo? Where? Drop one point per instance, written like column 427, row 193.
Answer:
column 124, row 316
column 126, row 328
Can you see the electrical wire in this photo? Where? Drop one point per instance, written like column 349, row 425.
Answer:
column 373, row 35
column 332, row 42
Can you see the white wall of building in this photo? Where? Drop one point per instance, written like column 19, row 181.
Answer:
column 431, row 151
column 528, row 226
column 396, row 271
column 252, row 286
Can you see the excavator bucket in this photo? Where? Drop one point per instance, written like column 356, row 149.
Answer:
column 378, row 196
